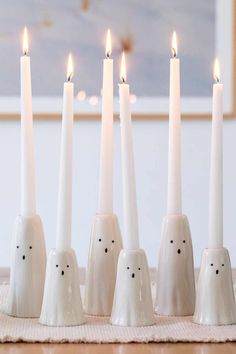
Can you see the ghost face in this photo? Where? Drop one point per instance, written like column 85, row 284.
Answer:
column 24, row 251
column 62, row 267
column 176, row 244
column 105, row 239
column 132, row 270
column 216, row 265
column 105, row 244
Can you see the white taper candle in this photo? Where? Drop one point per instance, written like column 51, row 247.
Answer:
column 64, row 213
column 216, row 167
column 28, row 203
column 131, row 236
column 105, row 196
column 174, row 202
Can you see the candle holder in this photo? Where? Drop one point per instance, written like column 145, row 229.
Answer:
column 132, row 305
column 105, row 246
column 215, row 303
column 175, row 289
column 62, row 304
column 27, row 268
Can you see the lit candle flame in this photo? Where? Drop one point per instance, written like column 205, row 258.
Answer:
column 25, row 46
column 174, row 44
column 123, row 68
column 216, row 70
column 108, row 44
column 70, row 69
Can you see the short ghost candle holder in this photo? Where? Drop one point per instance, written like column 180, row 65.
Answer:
column 62, row 304
column 215, row 303
column 27, row 268
column 132, row 304
column 105, row 246
column 175, row 289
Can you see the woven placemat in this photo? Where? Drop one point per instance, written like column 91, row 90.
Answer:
column 98, row 330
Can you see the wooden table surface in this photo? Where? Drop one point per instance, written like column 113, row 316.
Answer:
column 149, row 348
column 131, row 348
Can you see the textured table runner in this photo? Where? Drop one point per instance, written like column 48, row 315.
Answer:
column 98, row 330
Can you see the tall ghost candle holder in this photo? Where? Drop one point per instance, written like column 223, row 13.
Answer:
column 62, row 304
column 215, row 302
column 175, row 289
column 28, row 255
column 132, row 305
column 105, row 240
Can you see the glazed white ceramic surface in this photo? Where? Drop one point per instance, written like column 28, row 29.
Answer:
column 62, row 304
column 105, row 246
column 132, row 305
column 28, row 263
column 175, row 291
column 215, row 303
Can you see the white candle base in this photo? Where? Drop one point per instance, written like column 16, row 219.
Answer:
column 27, row 268
column 132, row 305
column 62, row 304
column 102, row 265
column 175, row 292
column 215, row 303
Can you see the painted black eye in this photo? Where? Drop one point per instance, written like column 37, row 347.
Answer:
column 113, row 241
column 139, row 269
column 222, row 265
column 171, row 241
column 68, row 266
column 17, row 246
column 184, row 241
column 212, row 264
column 30, row 247
column 99, row 239
column 57, row 265
column 127, row 267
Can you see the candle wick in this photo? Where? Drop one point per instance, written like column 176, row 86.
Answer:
column 108, row 55
column 123, row 80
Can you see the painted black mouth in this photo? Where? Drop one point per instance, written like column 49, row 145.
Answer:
column 62, row 272
column 23, row 257
column 133, row 275
column 179, row 251
column 106, row 250
column 217, row 271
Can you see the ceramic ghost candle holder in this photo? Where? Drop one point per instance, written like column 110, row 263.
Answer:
column 215, row 303
column 105, row 246
column 28, row 263
column 175, row 289
column 132, row 304
column 62, row 304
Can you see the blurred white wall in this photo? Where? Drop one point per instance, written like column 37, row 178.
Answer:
column 150, row 140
